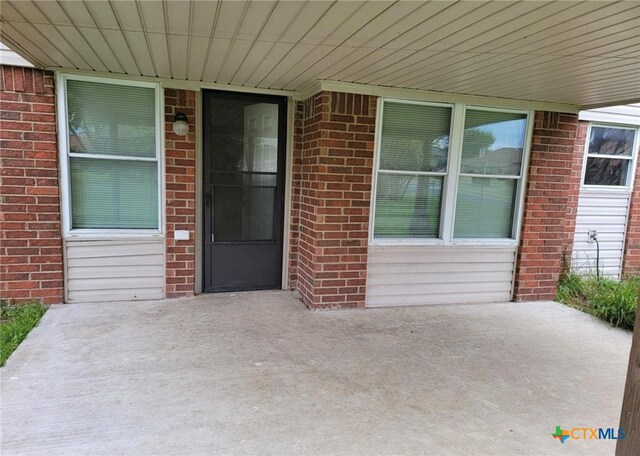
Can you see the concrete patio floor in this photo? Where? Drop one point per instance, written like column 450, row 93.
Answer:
column 257, row 373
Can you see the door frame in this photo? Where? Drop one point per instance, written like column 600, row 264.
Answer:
column 286, row 130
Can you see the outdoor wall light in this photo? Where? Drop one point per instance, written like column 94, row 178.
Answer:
column 180, row 125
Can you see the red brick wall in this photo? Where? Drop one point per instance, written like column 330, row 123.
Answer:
column 30, row 236
column 631, row 262
column 335, row 195
column 551, row 203
column 296, row 182
column 180, row 169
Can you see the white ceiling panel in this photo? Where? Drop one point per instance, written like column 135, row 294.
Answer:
column 205, row 17
column 127, row 16
column 120, row 47
column 178, row 53
column 178, row 17
column 265, row 64
column 197, row 57
column 54, row 13
column 232, row 60
column 102, row 13
column 140, row 50
column 217, row 53
column 152, row 16
column 160, row 54
column 98, row 44
column 455, row 20
column 577, row 53
column 73, row 35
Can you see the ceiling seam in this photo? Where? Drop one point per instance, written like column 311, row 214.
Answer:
column 191, row 12
column 165, row 16
column 414, row 52
column 124, row 35
column 316, row 46
column 231, row 42
column 63, row 37
column 84, row 3
column 297, row 42
column 212, row 33
column 342, row 43
column 45, row 39
column 146, row 37
column 61, row 5
column 423, row 75
column 389, row 41
column 9, row 40
column 273, row 44
column 264, row 23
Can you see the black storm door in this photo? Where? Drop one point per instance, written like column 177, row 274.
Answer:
column 244, row 157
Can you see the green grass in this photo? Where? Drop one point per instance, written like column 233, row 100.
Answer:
column 610, row 300
column 15, row 323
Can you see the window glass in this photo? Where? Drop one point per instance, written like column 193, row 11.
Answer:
column 113, row 166
column 114, row 194
column 415, row 137
column 407, row 206
column 617, row 144
column 611, row 141
column 484, row 207
column 493, row 142
column 606, row 171
column 109, row 119
column 413, row 173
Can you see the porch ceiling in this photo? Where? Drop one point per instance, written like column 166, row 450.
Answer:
column 579, row 53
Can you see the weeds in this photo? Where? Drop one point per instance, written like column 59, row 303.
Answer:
column 610, row 300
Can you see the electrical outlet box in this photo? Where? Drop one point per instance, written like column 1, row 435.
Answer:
column 181, row 235
column 591, row 235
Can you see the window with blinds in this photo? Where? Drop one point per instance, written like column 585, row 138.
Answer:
column 490, row 169
column 414, row 150
column 113, row 155
column 443, row 181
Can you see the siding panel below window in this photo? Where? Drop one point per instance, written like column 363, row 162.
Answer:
column 121, row 270
column 605, row 212
column 419, row 275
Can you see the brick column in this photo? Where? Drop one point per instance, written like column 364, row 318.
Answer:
column 31, row 266
column 296, row 187
column 551, row 203
column 335, row 195
column 631, row 261
column 180, row 178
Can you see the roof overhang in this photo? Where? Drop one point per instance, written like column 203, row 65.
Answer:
column 564, row 54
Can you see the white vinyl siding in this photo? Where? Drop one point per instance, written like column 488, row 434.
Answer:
column 116, row 270
column 604, row 208
column 422, row 275
column 605, row 212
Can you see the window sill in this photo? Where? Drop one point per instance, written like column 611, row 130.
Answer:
column 489, row 243
column 106, row 235
column 606, row 188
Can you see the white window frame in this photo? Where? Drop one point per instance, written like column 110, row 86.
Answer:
column 451, row 178
column 65, row 155
column 631, row 170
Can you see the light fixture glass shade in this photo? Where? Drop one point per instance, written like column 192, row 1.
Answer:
column 180, row 125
